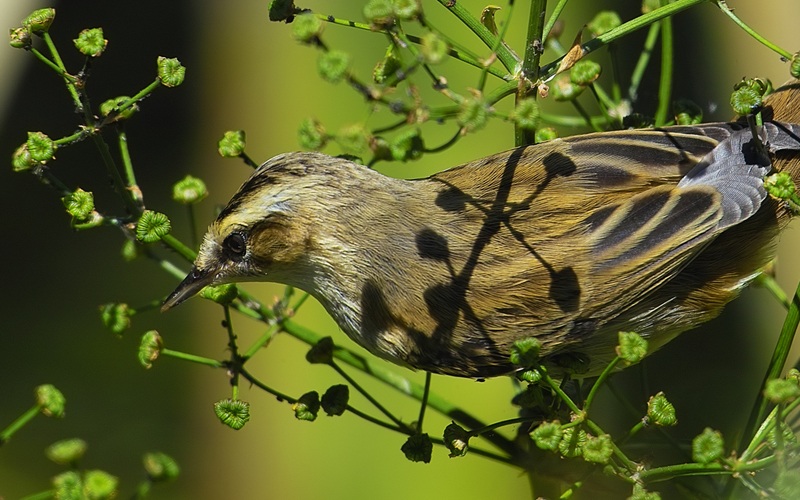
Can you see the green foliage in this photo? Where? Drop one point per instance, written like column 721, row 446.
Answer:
column 418, row 448
column 525, row 353
column 90, row 42
column 233, row 413
column 189, row 190
column 67, row 451
column 708, row 446
column 152, row 226
column 456, row 439
column 50, row 400
column 632, row 347
column 232, row 144
column 170, row 72
column 307, row 406
column 334, row 401
column 660, row 411
column 150, row 348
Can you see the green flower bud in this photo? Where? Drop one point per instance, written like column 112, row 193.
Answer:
column 281, row 10
column 68, row 485
column 79, row 204
column 526, row 114
column 545, row 134
column 781, row 390
column 21, row 160
column 650, row 5
column 794, row 66
column 353, row 139
column 379, row 12
column 572, row 440
column 787, row 484
column 129, row 251
column 150, row 348
column 233, row 413
column 98, row 484
column 434, row 49
column 456, row 438
column 306, row 27
column 67, row 451
column 39, row 21
column 40, row 147
column 473, row 115
column 687, row 112
column 407, row 146
column 660, row 411
column 221, row 294
column 311, row 134
column 232, row 144
column 418, row 448
column 780, row 185
column 116, row 317
column 307, row 407
column 547, row 436
column 563, row 89
column 604, row 21
column 19, row 38
column 170, row 71
column 334, row 401
column 321, row 352
column 632, row 347
column 90, row 42
column 745, row 100
column 530, row 376
column 707, row 446
column 50, row 400
column 584, row 72
column 406, row 9
column 639, row 493
column 114, row 106
column 152, row 226
column 388, row 66
column 525, row 352
column 332, row 65
column 189, row 190
column 598, row 449
column 160, row 467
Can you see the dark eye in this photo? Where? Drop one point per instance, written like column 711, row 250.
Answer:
column 235, row 246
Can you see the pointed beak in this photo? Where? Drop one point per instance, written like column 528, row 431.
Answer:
column 191, row 284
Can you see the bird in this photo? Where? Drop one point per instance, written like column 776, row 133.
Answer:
column 569, row 241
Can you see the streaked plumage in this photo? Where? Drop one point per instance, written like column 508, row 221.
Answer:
column 569, row 241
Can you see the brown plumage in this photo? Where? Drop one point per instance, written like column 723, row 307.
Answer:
column 569, row 241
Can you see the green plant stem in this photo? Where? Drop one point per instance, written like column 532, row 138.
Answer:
column 504, row 54
column 213, row 363
column 369, row 396
column 402, row 385
column 177, row 245
column 723, row 6
column 424, row 403
column 771, row 285
column 42, row 495
column 262, row 341
column 534, row 46
column 625, row 29
column 665, row 83
column 18, row 424
column 776, row 364
column 69, row 80
column 609, row 369
column 644, row 60
column 125, row 155
column 553, row 18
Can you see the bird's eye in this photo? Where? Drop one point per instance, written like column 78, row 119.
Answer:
column 235, row 246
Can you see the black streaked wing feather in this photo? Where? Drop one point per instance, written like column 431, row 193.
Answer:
column 656, row 232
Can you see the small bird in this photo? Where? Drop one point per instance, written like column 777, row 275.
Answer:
column 569, row 241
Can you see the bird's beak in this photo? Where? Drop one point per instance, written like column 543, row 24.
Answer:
column 191, row 284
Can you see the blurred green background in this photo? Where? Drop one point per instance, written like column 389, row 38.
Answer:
column 244, row 72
